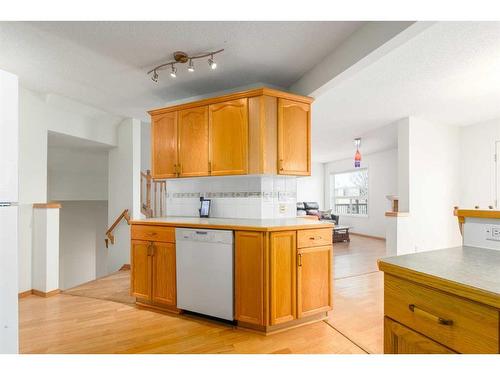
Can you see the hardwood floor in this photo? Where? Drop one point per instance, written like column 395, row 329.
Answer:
column 86, row 319
column 114, row 287
column 358, row 302
column 71, row 324
column 357, row 257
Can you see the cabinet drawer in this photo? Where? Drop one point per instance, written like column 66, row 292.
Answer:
column 460, row 324
column 314, row 237
column 153, row 233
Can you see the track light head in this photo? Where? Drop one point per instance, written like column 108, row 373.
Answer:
column 173, row 72
column 212, row 63
column 154, row 77
column 191, row 65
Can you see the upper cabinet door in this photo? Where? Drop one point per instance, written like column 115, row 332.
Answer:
column 228, row 129
column 294, row 138
column 164, row 145
column 193, row 142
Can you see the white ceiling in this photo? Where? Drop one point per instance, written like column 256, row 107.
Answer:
column 104, row 64
column 449, row 74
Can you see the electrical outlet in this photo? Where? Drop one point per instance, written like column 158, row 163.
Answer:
column 282, row 208
column 493, row 232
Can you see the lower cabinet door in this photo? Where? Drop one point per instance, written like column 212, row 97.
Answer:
column 314, row 284
column 399, row 339
column 283, row 283
column 141, row 269
column 164, row 289
column 249, row 272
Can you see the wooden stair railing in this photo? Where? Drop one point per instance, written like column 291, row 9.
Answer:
column 109, row 232
column 152, row 195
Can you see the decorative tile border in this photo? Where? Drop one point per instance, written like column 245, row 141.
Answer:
column 246, row 194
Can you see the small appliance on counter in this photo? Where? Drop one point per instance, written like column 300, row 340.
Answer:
column 204, row 209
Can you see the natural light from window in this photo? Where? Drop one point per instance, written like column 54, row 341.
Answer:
column 349, row 192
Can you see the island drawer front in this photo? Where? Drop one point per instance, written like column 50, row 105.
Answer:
column 153, row 233
column 314, row 237
column 457, row 323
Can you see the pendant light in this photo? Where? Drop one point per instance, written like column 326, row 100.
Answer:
column 357, row 155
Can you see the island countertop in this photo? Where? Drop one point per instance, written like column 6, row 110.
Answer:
column 470, row 272
column 261, row 225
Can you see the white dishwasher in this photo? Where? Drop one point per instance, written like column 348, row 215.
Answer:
column 204, row 260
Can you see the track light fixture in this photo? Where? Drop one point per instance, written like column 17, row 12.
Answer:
column 212, row 63
column 154, row 77
column 191, row 65
column 182, row 58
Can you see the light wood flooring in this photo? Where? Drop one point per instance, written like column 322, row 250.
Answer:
column 86, row 319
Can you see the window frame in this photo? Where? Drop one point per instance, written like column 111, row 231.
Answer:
column 333, row 196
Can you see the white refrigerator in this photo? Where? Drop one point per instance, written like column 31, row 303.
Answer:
column 9, row 156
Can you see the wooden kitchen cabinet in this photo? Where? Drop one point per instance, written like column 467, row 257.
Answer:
column 259, row 131
column 283, row 276
column 164, row 145
column 193, row 142
column 228, row 133
column 164, row 274
column 294, row 138
column 153, row 267
column 399, row 339
column 140, row 269
column 314, row 280
column 249, row 271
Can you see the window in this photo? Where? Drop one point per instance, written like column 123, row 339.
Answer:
column 349, row 192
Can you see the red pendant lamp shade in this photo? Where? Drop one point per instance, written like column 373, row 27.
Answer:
column 357, row 155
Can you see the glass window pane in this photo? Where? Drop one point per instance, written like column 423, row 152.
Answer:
column 349, row 192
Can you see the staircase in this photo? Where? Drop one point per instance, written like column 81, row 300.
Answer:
column 153, row 203
column 153, row 195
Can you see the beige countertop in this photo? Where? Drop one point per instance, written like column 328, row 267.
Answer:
column 472, row 271
column 243, row 224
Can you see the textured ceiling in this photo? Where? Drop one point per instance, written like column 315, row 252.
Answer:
column 105, row 63
column 449, row 74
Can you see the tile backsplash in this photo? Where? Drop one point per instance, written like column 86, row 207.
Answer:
column 250, row 197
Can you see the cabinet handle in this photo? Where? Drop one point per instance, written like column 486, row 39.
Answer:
column 315, row 238
column 299, row 259
column 151, row 249
column 280, row 166
column 179, row 169
column 209, row 167
column 428, row 315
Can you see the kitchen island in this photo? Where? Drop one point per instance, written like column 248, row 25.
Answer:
column 442, row 301
column 282, row 268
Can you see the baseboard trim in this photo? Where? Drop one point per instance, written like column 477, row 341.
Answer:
column 367, row 236
column 25, row 294
column 125, row 267
column 46, row 294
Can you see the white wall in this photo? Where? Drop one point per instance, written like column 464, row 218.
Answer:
column 124, row 188
column 434, row 184
column 477, row 164
column 433, row 162
column 77, row 174
column 45, row 274
column 312, row 188
column 39, row 114
column 145, row 146
column 382, row 181
column 82, row 253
